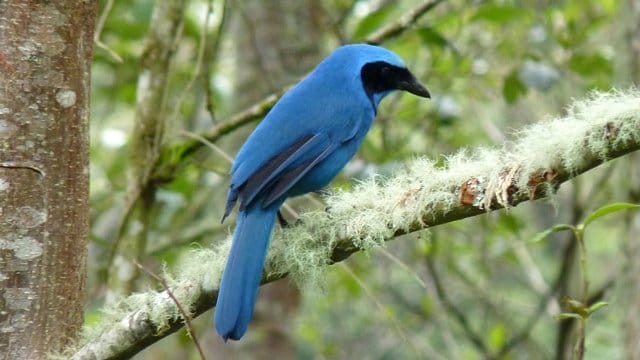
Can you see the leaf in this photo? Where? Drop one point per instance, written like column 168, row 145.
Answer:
column 499, row 14
column 509, row 224
column 593, row 308
column 430, row 36
column 606, row 210
column 497, row 336
column 594, row 67
column 590, row 64
column 556, row 228
column 564, row 316
column 513, row 88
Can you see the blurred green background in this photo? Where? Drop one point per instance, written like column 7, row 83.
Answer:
column 472, row 289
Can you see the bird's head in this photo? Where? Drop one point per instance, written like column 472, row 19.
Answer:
column 379, row 70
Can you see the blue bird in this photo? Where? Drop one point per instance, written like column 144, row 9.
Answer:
column 299, row 147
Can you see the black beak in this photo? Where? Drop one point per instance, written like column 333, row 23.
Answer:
column 413, row 86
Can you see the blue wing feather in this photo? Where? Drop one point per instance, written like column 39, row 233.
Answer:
column 269, row 150
column 288, row 179
column 306, row 150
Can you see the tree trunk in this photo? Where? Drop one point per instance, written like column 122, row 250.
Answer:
column 270, row 51
column 630, row 280
column 45, row 60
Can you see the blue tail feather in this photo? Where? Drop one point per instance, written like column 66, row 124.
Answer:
column 242, row 274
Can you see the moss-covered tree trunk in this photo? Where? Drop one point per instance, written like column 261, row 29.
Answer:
column 45, row 60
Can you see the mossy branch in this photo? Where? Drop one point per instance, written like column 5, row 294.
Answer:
column 595, row 130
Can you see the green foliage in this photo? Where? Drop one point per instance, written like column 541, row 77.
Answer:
column 432, row 38
column 513, row 88
column 499, row 14
column 374, row 20
column 606, row 210
column 594, row 68
column 596, row 214
column 581, row 310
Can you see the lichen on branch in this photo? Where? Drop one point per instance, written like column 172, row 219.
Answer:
column 601, row 127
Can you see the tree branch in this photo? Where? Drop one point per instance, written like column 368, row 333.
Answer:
column 403, row 23
column 458, row 315
column 152, row 104
column 602, row 127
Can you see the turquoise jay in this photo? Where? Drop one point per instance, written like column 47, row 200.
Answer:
column 299, row 147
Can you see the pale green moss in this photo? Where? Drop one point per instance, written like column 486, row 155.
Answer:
column 377, row 208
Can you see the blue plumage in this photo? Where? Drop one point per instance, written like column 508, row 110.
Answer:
column 299, row 147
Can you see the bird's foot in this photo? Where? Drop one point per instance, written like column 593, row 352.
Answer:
column 284, row 223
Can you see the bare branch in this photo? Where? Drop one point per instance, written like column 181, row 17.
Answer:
column 457, row 314
column 403, row 23
column 148, row 137
column 183, row 312
column 100, row 25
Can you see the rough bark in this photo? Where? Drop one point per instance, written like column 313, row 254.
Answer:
column 45, row 59
column 270, row 52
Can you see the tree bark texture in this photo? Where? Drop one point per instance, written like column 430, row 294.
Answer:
column 631, row 281
column 45, row 59
column 269, row 51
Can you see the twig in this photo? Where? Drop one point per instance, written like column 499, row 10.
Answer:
column 404, row 267
column 403, row 23
column 185, row 315
column 458, row 315
column 98, row 33
column 200, row 58
column 562, row 282
column 246, row 116
column 579, row 347
column 223, row 154
column 524, row 333
column 152, row 101
column 534, row 275
column 211, row 55
column 249, row 22
column 380, row 307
